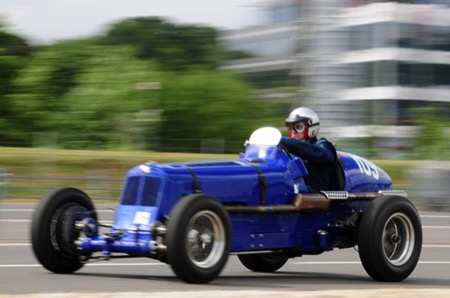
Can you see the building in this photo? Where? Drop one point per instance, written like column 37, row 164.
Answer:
column 363, row 65
column 273, row 47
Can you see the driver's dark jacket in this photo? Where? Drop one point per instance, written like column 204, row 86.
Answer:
column 320, row 159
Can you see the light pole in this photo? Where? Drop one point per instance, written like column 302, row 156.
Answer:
column 149, row 115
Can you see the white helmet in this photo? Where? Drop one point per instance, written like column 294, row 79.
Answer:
column 306, row 117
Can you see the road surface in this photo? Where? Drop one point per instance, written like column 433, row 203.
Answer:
column 339, row 271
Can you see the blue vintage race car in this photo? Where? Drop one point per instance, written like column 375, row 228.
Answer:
column 193, row 215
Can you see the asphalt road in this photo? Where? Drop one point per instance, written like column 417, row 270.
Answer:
column 338, row 271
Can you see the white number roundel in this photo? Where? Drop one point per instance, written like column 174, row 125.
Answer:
column 366, row 167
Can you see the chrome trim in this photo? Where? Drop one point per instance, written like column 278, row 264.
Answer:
column 398, row 239
column 401, row 193
column 335, row 195
column 256, row 252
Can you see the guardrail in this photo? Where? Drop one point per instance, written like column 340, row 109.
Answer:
column 30, row 187
column 428, row 187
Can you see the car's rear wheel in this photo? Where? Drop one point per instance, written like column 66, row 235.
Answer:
column 53, row 229
column 390, row 238
column 263, row 262
column 198, row 238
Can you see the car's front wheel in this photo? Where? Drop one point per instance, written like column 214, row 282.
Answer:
column 53, row 230
column 390, row 238
column 198, row 238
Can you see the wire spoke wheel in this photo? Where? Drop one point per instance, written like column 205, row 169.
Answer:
column 205, row 241
column 198, row 238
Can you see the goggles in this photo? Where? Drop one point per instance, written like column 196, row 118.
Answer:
column 298, row 127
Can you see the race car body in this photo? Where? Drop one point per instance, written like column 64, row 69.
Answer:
column 193, row 215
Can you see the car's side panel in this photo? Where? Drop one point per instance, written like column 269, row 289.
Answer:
column 252, row 232
column 256, row 183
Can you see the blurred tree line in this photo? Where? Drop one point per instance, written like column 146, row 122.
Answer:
column 149, row 84
column 433, row 137
column 145, row 83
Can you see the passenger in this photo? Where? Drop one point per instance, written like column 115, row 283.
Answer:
column 319, row 155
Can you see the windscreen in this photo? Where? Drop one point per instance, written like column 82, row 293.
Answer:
column 262, row 144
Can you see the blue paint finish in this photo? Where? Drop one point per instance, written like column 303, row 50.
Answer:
column 362, row 175
column 238, row 183
column 264, row 231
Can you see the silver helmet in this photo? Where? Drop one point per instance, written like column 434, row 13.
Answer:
column 307, row 117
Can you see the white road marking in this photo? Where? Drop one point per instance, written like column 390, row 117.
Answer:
column 434, row 262
column 90, row 265
column 15, row 244
column 357, row 262
column 284, row 293
column 436, row 245
column 434, row 216
column 29, row 220
column 326, row 263
column 16, row 210
column 163, row 264
column 32, row 210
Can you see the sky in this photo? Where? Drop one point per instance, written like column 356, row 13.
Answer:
column 46, row 21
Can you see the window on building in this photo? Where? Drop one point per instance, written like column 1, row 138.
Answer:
column 404, row 35
column 415, row 36
column 442, row 75
column 405, row 74
column 394, row 73
column 407, row 35
column 369, row 36
column 285, row 12
column 374, row 74
column 424, row 75
column 277, row 44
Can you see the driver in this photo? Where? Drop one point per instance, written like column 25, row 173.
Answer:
column 319, row 155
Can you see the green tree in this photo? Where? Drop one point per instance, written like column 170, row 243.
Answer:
column 432, row 140
column 50, row 72
column 14, row 45
column 175, row 47
column 209, row 105
column 101, row 110
column 13, row 53
column 111, row 91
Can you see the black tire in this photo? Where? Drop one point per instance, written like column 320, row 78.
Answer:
column 390, row 238
column 53, row 231
column 198, row 238
column 263, row 262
